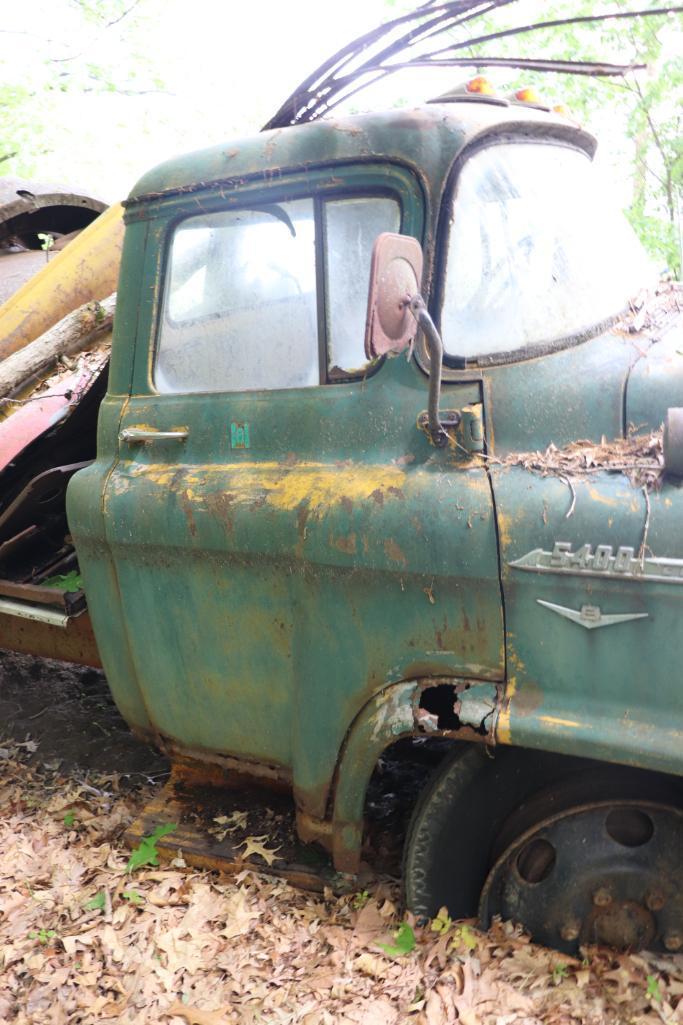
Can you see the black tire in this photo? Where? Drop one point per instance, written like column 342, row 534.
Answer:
column 479, row 801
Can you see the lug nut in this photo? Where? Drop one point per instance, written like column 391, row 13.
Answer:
column 673, row 940
column 655, row 900
column 602, row 897
column 570, row 931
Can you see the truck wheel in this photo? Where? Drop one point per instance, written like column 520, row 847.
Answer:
column 575, row 852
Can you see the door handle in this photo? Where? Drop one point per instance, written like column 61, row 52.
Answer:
column 138, row 435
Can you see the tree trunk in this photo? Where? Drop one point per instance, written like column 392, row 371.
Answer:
column 73, row 333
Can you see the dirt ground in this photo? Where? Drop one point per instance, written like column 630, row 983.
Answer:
column 87, row 935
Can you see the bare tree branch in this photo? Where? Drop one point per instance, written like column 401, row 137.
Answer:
column 337, row 80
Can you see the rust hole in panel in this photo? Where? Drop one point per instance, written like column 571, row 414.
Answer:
column 439, row 703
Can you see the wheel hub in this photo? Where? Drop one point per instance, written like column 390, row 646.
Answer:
column 605, row 872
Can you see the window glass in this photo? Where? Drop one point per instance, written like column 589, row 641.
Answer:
column 351, row 227
column 536, row 251
column 240, row 310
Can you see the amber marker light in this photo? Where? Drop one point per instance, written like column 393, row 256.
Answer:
column 527, row 95
column 480, row 85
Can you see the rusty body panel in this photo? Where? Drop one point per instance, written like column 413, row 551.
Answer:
column 566, row 684
column 464, row 710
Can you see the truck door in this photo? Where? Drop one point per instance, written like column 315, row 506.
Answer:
column 286, row 542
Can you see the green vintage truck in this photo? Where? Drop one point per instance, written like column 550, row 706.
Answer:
column 300, row 547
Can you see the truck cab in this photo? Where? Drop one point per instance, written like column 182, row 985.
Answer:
column 286, row 575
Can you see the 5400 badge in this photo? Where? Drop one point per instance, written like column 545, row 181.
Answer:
column 602, row 561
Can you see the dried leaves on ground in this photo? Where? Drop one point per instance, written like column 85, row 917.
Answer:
column 82, row 940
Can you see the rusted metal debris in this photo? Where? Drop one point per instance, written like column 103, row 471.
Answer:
column 29, row 211
column 28, row 208
column 405, row 42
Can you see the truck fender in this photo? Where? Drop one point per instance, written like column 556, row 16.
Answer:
column 447, row 707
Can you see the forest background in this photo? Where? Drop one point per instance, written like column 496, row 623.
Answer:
column 95, row 92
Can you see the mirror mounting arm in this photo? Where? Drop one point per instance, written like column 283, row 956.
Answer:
column 435, row 348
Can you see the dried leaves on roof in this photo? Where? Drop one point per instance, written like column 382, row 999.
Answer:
column 82, row 941
column 652, row 312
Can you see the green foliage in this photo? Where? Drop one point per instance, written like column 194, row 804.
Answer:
column 59, row 65
column 559, row 972
column 96, row 903
column 66, row 582
column 69, row 819
column 404, row 942
column 46, row 242
column 133, row 897
column 639, row 116
column 653, row 991
column 442, row 922
column 146, row 852
column 42, row 935
column 464, row 937
column 360, row 899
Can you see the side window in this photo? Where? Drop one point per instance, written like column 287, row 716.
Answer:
column 240, row 308
column 351, row 227
column 248, row 306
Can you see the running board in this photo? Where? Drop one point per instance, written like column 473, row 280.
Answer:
column 36, row 613
column 211, row 826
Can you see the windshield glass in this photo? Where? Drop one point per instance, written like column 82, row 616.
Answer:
column 536, row 252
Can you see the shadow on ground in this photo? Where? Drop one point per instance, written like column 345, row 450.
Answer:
column 68, row 712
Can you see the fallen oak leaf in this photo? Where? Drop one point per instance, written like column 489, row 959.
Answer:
column 228, row 824
column 235, row 820
column 371, row 964
column 255, row 845
column 196, row 1016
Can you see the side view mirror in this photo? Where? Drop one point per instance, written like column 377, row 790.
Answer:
column 673, row 442
column 396, row 310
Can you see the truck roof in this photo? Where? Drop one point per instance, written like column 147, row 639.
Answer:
column 427, row 138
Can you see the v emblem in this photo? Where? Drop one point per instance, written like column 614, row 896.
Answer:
column 591, row 616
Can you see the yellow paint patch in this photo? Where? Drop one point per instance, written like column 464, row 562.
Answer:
column 322, row 486
column 319, row 485
column 602, row 499
column 502, row 732
column 552, row 720
column 504, row 529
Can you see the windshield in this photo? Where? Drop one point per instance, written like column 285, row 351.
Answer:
column 536, row 252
